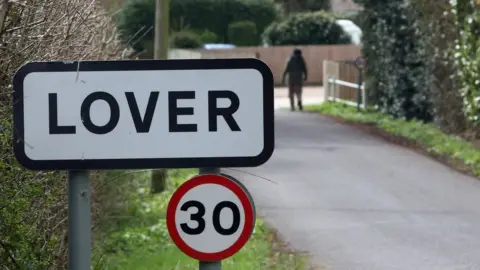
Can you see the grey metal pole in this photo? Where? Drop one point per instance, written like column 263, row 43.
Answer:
column 218, row 264
column 79, row 220
column 359, row 89
column 334, row 87
column 210, row 265
column 209, row 170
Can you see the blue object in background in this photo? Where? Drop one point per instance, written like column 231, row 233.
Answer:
column 210, row 46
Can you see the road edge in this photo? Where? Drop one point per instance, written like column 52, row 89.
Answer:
column 371, row 129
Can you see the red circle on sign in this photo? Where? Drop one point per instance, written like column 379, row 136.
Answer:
column 218, row 180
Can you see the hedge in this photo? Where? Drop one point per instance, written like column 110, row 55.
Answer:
column 137, row 17
column 398, row 75
column 185, row 40
column 311, row 28
column 243, row 33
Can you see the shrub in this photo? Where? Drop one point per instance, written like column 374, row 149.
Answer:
column 305, row 5
column 185, row 40
column 306, row 29
column 356, row 17
column 243, row 33
column 217, row 15
column 437, row 23
column 398, row 78
column 467, row 56
column 33, row 205
column 208, row 36
column 137, row 18
column 135, row 23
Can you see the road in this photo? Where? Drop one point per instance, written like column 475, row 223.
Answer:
column 354, row 202
column 311, row 95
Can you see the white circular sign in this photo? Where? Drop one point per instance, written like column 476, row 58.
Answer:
column 210, row 217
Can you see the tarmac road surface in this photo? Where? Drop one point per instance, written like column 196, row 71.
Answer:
column 311, row 95
column 356, row 202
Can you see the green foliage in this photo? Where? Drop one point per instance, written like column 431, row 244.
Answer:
column 398, row 75
column 356, row 17
column 467, row 55
column 316, row 5
column 31, row 206
column 185, row 40
column 135, row 21
column 217, row 15
column 468, row 58
column 243, row 33
column 142, row 241
column 306, row 29
column 208, row 36
column 437, row 27
column 427, row 135
column 292, row 6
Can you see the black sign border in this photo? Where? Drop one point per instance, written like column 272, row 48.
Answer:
column 143, row 65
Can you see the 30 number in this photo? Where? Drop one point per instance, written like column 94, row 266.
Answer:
column 198, row 217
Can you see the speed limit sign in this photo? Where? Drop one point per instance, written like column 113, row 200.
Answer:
column 210, row 217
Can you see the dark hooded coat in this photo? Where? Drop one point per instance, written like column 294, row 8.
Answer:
column 296, row 69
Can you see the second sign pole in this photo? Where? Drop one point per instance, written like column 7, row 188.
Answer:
column 218, row 264
column 79, row 220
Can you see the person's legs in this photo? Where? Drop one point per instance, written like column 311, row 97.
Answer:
column 291, row 93
column 298, row 93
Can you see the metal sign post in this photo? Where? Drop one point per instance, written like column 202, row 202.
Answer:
column 360, row 64
column 209, row 265
column 79, row 220
column 359, row 89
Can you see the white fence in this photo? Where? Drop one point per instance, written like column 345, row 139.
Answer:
column 331, row 92
column 340, row 78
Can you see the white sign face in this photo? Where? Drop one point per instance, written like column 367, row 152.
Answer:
column 230, row 219
column 144, row 114
column 210, row 217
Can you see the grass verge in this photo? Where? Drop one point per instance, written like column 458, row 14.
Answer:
column 454, row 151
column 140, row 240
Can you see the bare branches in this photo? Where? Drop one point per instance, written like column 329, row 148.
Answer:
column 41, row 30
column 3, row 13
column 59, row 29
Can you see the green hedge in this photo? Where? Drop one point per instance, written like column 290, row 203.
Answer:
column 135, row 23
column 306, row 29
column 305, row 5
column 243, row 33
column 195, row 15
column 185, row 40
column 398, row 76
column 207, row 36
column 467, row 56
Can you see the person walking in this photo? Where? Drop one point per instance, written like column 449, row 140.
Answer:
column 296, row 69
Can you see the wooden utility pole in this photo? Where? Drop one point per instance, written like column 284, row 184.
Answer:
column 159, row 177
column 162, row 9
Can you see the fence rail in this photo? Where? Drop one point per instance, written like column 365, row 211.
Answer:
column 333, row 95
